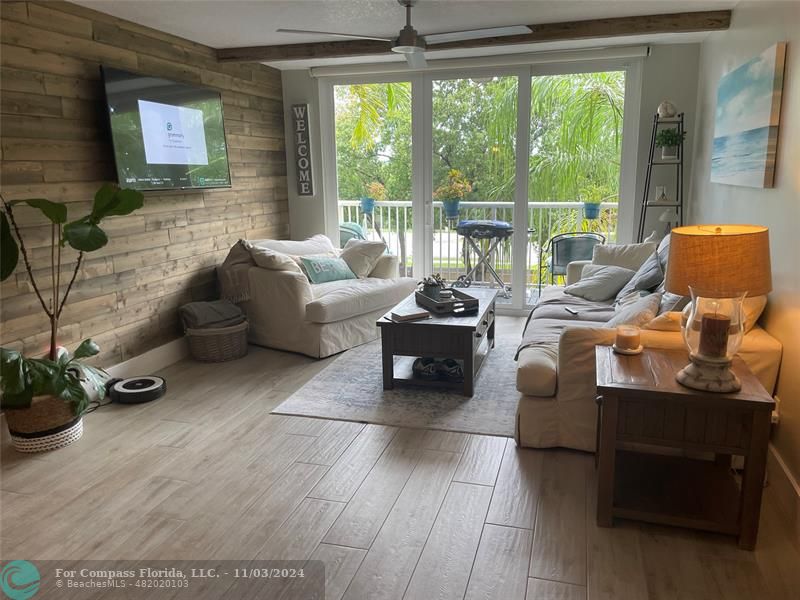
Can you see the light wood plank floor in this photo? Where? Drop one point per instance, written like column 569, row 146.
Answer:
column 207, row 472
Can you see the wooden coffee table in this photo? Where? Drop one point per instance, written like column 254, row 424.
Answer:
column 642, row 409
column 461, row 338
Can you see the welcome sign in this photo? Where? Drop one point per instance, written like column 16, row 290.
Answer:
column 302, row 150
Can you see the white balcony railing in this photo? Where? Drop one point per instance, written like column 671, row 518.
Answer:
column 392, row 221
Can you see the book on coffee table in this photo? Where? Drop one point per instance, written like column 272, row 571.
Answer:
column 409, row 312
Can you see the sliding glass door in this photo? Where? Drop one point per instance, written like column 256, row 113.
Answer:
column 473, row 137
column 373, row 165
column 519, row 148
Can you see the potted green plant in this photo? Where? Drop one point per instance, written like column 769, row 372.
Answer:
column 592, row 197
column 376, row 192
column 451, row 193
column 669, row 140
column 432, row 286
column 44, row 398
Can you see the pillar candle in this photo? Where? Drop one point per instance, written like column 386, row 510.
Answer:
column 714, row 335
column 628, row 337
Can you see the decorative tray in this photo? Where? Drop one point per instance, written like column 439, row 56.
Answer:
column 459, row 304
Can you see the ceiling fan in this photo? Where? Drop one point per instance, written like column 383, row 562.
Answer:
column 413, row 45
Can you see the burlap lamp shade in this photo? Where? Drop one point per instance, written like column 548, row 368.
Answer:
column 719, row 261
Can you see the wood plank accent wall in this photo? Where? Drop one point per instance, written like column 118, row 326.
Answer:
column 55, row 144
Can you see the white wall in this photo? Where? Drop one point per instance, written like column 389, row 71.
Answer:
column 670, row 73
column 306, row 213
column 755, row 27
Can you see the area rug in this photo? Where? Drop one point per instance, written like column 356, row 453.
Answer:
column 351, row 389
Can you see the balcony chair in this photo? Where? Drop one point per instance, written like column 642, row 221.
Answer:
column 565, row 248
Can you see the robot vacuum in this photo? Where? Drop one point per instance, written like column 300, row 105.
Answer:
column 136, row 390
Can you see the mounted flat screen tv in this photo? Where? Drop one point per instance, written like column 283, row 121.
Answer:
column 166, row 135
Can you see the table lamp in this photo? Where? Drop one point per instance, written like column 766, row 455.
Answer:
column 718, row 265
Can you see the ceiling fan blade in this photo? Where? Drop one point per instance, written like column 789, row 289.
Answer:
column 416, row 60
column 343, row 35
column 475, row 34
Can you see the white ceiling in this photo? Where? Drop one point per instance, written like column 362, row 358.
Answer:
column 232, row 23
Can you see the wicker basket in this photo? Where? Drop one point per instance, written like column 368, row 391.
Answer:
column 48, row 424
column 218, row 344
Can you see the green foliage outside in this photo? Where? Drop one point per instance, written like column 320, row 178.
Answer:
column 575, row 148
column 576, row 131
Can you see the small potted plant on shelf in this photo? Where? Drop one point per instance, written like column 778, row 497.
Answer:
column 669, row 140
column 44, row 398
column 432, row 286
column 376, row 192
column 452, row 193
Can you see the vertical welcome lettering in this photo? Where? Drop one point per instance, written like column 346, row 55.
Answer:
column 302, row 150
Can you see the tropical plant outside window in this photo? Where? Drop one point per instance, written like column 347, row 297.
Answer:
column 575, row 150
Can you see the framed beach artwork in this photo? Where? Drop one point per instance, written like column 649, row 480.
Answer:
column 747, row 120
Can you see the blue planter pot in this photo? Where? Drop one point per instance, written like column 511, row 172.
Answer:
column 368, row 205
column 591, row 211
column 451, row 209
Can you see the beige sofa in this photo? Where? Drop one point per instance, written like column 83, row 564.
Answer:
column 556, row 372
column 288, row 312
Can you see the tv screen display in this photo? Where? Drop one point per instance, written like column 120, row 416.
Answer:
column 166, row 135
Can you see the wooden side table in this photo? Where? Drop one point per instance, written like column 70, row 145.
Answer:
column 642, row 409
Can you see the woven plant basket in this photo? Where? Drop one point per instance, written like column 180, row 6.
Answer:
column 48, row 424
column 219, row 344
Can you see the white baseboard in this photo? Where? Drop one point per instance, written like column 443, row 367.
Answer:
column 151, row 361
column 786, row 490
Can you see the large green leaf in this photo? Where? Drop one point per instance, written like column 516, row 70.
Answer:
column 125, row 202
column 9, row 253
column 73, row 392
column 95, row 377
column 45, row 376
column 84, row 235
column 112, row 201
column 13, row 373
column 87, row 348
column 54, row 211
column 103, row 199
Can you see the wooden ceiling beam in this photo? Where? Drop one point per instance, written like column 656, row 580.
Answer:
column 686, row 22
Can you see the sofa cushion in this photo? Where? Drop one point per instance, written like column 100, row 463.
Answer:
column 553, row 304
column 630, row 256
column 357, row 297
column 362, row 255
column 318, row 245
column 647, row 277
column 600, row 282
column 537, row 357
column 267, row 258
column 639, row 313
column 387, row 267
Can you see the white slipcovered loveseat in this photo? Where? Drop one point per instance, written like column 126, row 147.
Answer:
column 556, row 362
column 288, row 312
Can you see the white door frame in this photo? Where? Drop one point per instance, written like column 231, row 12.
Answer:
column 422, row 152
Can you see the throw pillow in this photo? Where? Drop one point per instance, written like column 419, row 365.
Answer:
column 321, row 269
column 270, row 259
column 668, row 321
column 630, row 256
column 318, row 245
column 753, row 307
column 599, row 282
column 362, row 256
column 639, row 313
column 647, row 277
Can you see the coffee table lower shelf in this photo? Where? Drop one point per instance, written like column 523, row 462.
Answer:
column 674, row 490
column 404, row 372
